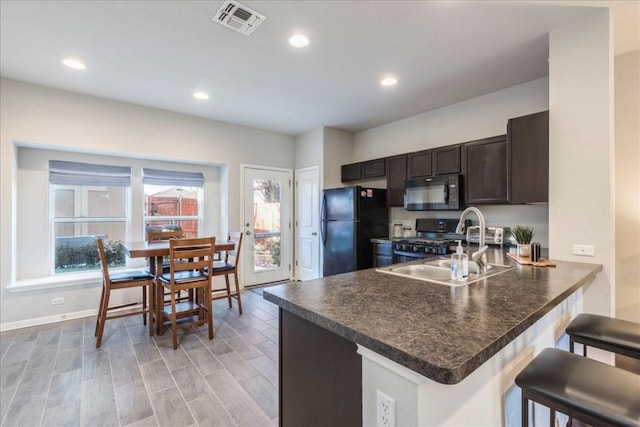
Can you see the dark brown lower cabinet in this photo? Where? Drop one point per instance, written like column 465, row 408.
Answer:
column 320, row 376
column 382, row 254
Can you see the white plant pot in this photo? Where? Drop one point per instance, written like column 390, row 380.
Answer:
column 524, row 250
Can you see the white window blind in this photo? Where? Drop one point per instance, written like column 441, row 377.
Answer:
column 175, row 178
column 72, row 173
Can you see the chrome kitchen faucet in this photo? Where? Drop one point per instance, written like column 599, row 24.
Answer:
column 480, row 256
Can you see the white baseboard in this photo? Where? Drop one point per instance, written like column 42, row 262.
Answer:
column 8, row 326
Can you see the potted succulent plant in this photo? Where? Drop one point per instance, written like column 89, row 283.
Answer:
column 523, row 235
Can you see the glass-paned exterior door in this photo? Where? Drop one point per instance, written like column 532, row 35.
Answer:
column 267, row 225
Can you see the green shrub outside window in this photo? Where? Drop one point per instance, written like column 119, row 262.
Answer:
column 71, row 258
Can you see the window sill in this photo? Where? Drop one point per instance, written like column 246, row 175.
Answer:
column 62, row 281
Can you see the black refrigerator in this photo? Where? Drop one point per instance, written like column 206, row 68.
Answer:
column 350, row 217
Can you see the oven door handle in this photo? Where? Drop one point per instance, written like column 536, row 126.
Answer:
column 417, row 255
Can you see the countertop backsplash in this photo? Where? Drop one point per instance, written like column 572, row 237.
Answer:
column 536, row 216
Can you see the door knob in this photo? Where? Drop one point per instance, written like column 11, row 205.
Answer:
column 314, row 234
column 248, row 233
column 247, row 224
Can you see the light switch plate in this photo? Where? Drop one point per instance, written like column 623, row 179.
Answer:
column 584, row 250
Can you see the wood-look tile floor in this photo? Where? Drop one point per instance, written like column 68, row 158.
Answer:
column 53, row 375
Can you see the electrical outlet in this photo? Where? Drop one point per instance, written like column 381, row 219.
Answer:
column 57, row 301
column 584, row 250
column 385, row 410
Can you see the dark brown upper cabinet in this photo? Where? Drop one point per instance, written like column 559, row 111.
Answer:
column 351, row 172
column 396, row 174
column 419, row 164
column 446, row 160
column 486, row 162
column 373, row 169
column 528, row 137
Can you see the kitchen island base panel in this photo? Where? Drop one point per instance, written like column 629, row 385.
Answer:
column 320, row 376
column 488, row 396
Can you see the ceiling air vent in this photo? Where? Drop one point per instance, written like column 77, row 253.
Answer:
column 238, row 17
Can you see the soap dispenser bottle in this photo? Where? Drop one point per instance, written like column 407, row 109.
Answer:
column 459, row 264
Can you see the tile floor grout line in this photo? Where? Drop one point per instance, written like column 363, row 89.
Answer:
column 24, row 370
column 207, row 382
column 196, row 368
column 194, row 365
column 14, row 391
column 144, row 383
column 46, row 399
column 113, row 386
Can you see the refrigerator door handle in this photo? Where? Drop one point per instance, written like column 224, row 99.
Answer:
column 323, row 208
column 323, row 220
column 323, row 232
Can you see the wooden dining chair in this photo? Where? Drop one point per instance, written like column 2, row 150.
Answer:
column 190, row 267
column 167, row 235
column 110, row 282
column 164, row 235
column 227, row 267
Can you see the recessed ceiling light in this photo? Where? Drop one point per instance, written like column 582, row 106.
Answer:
column 389, row 81
column 74, row 63
column 200, row 95
column 298, row 40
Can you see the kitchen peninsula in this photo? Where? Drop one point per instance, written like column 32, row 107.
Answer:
column 445, row 355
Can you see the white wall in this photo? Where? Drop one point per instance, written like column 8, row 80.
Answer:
column 581, row 189
column 627, row 178
column 34, row 115
column 476, row 118
column 337, row 151
column 309, row 149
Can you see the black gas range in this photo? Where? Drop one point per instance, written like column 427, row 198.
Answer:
column 434, row 237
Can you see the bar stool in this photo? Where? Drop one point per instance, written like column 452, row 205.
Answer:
column 607, row 333
column 585, row 389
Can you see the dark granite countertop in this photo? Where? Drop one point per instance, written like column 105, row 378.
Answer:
column 438, row 331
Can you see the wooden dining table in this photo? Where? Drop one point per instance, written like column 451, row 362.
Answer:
column 156, row 251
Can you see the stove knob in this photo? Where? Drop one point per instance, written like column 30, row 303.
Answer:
column 416, row 249
column 428, row 250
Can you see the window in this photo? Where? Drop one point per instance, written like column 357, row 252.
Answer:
column 267, row 197
column 87, row 201
column 172, row 201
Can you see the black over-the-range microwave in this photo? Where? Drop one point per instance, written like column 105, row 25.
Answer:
column 442, row 192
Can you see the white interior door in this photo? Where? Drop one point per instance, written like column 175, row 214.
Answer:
column 307, row 254
column 307, row 223
column 267, row 225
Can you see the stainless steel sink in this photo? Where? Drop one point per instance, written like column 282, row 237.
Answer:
column 438, row 271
